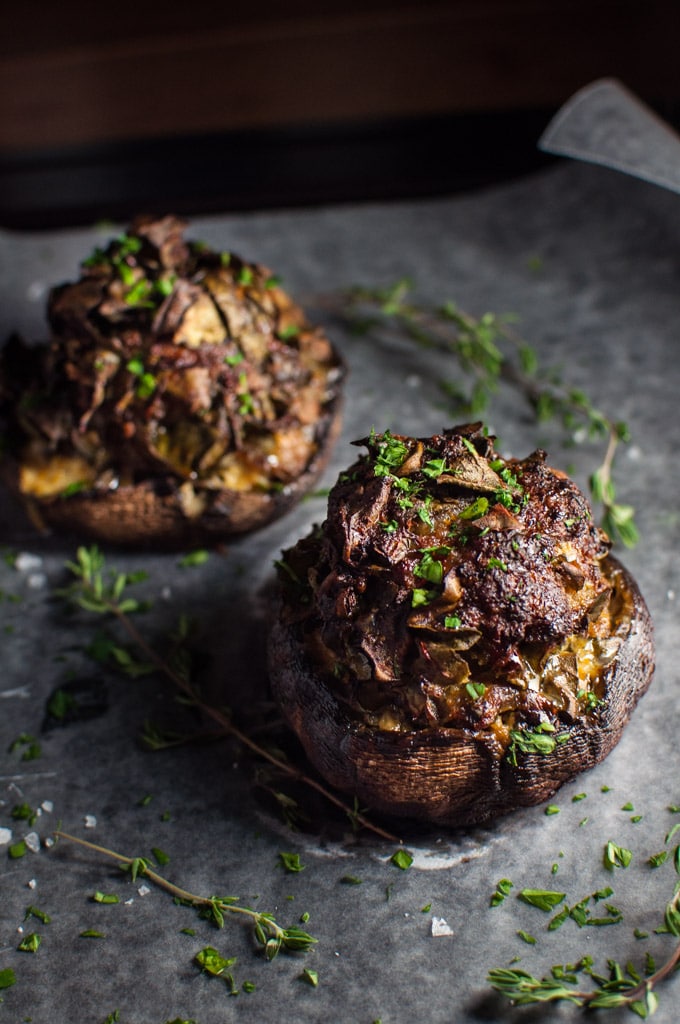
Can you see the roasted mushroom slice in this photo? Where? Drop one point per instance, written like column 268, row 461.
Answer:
column 183, row 396
column 430, row 647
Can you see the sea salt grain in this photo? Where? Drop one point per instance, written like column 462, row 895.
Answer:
column 26, row 562
column 440, row 927
column 144, row 890
column 18, row 691
column 47, row 806
column 32, row 841
column 35, row 291
column 5, row 836
column 90, row 821
column 32, row 884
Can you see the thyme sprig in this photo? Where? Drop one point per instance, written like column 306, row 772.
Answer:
column 268, row 932
column 490, row 352
column 102, row 591
column 623, row 987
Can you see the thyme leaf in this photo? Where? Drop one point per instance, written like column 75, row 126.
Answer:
column 291, row 862
column 268, row 932
column 489, row 352
column 401, row 859
column 544, row 899
column 539, row 740
column 616, row 856
column 99, row 590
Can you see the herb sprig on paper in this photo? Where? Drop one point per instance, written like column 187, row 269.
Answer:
column 270, row 935
column 100, row 590
column 489, row 352
column 622, row 986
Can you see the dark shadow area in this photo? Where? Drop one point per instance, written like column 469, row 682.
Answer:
column 276, row 167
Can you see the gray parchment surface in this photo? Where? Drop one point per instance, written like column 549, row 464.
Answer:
column 588, row 261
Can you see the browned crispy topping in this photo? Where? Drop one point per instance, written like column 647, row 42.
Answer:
column 167, row 359
column 452, row 587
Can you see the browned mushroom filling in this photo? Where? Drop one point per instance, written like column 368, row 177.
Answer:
column 450, row 587
column 167, row 360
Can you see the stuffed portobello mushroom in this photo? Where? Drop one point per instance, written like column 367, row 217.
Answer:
column 183, row 396
column 455, row 640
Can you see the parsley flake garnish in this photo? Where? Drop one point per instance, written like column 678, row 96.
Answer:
column 30, row 943
column 429, row 568
column 435, row 468
column 539, row 740
column 475, row 509
column 497, row 563
column 390, row 453
column 544, row 899
column 108, row 898
column 194, row 558
column 501, row 893
column 291, row 862
column 616, row 856
column 401, row 859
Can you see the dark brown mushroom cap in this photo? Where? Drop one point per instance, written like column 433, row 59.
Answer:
column 454, row 640
column 451, row 776
column 183, row 396
column 154, row 514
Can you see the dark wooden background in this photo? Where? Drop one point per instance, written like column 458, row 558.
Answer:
column 109, row 109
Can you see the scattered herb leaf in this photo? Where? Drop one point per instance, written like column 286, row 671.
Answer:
column 401, row 859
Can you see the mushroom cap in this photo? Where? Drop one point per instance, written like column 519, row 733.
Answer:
column 451, row 776
column 455, row 640
column 183, row 396
column 154, row 514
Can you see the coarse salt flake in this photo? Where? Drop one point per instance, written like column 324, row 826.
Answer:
column 35, row 291
column 144, row 890
column 32, row 841
column 18, row 691
column 32, row 884
column 47, row 806
column 90, row 821
column 5, row 836
column 26, row 562
column 440, row 927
